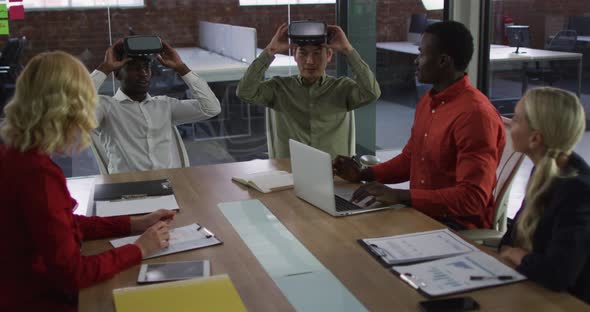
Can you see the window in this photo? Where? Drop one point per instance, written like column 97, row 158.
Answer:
column 58, row 4
column 284, row 2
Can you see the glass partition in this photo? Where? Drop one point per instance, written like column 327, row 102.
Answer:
column 239, row 132
column 399, row 30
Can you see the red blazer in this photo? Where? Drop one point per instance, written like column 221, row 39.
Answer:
column 41, row 267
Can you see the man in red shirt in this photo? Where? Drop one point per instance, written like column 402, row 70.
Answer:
column 455, row 145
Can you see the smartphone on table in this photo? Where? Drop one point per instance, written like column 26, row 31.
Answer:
column 172, row 271
column 449, row 304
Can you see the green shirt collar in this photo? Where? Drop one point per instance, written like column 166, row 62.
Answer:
column 319, row 82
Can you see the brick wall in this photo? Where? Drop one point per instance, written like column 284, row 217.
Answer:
column 85, row 32
column 393, row 15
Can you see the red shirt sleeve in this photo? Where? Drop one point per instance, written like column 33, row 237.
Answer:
column 52, row 229
column 98, row 227
column 397, row 169
column 478, row 152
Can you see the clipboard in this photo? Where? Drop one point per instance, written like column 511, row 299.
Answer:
column 438, row 278
column 371, row 250
column 416, row 247
column 195, row 237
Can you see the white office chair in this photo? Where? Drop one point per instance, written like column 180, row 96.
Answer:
column 507, row 169
column 271, row 133
column 102, row 160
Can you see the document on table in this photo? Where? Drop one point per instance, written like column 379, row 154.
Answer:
column 182, row 238
column 108, row 208
column 422, row 246
column 453, row 275
column 82, row 189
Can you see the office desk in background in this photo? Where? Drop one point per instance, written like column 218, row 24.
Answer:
column 214, row 67
column 500, row 54
column 583, row 39
column 333, row 241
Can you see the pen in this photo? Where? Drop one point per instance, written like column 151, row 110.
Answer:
column 498, row 277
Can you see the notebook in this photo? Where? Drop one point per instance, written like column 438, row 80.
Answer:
column 268, row 181
column 130, row 190
column 131, row 198
column 215, row 293
column 183, row 238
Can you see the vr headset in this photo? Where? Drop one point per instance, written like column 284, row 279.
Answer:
column 141, row 46
column 308, row 33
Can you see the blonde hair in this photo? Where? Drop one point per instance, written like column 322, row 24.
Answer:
column 559, row 116
column 53, row 106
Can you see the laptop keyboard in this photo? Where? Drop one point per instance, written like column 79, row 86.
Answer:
column 345, row 205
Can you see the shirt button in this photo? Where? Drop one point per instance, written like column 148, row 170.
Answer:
column 422, row 158
column 425, row 134
column 442, row 102
column 422, row 181
column 433, row 111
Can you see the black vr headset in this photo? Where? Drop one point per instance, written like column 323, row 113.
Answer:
column 308, row 32
column 141, row 46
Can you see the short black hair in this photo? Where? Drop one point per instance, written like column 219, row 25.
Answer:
column 453, row 39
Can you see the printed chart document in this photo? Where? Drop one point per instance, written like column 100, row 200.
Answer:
column 454, row 274
column 125, row 207
column 181, row 238
column 415, row 247
column 268, row 181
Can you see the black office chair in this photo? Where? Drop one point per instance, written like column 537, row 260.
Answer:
column 10, row 67
column 564, row 41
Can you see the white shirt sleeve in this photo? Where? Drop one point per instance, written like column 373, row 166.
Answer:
column 202, row 105
column 98, row 78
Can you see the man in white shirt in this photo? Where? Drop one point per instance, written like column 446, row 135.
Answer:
column 136, row 128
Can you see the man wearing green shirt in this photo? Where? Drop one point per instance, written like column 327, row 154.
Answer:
column 312, row 107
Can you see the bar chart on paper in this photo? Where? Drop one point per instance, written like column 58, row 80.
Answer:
column 453, row 275
column 443, row 278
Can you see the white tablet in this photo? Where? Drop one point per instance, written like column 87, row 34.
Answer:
column 171, row 271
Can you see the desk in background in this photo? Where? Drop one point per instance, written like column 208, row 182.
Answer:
column 333, row 241
column 503, row 55
column 214, row 67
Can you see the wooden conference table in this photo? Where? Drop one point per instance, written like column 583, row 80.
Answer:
column 333, row 241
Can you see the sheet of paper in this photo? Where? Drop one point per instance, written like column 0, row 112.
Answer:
column 3, row 10
column 452, row 275
column 81, row 189
column 16, row 12
column 4, row 30
column 418, row 246
column 181, row 239
column 135, row 206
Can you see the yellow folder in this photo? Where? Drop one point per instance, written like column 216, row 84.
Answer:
column 215, row 293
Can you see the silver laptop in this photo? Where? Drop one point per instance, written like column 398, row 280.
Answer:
column 314, row 183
